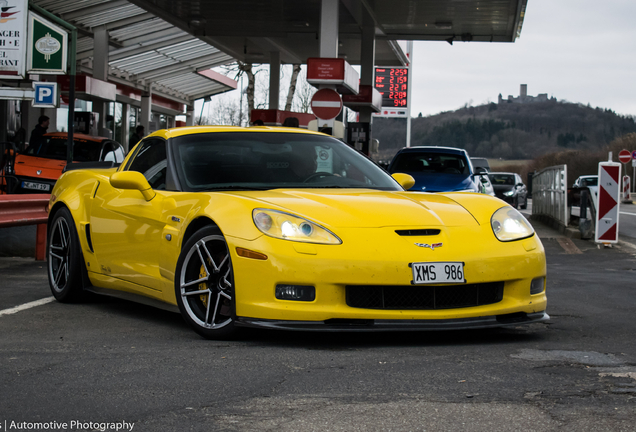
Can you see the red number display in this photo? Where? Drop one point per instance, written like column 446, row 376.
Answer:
column 392, row 83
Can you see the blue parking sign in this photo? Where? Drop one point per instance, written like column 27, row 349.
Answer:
column 45, row 94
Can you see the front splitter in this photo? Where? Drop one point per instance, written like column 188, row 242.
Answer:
column 367, row 325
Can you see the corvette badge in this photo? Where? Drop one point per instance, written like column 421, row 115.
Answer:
column 430, row 246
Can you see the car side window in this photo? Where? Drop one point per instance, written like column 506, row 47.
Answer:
column 113, row 152
column 151, row 161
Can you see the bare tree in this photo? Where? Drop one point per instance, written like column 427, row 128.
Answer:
column 304, row 92
column 292, row 87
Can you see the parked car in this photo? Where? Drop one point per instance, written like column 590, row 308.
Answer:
column 510, row 188
column 436, row 169
column 283, row 228
column 36, row 169
column 590, row 182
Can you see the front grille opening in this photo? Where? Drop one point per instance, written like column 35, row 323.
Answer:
column 396, row 297
column 418, row 232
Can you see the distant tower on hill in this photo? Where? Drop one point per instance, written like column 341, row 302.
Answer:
column 524, row 98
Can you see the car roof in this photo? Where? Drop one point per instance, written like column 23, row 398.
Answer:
column 434, row 149
column 190, row 130
column 499, row 172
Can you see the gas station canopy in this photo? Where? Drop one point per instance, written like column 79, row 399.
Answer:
column 172, row 45
column 250, row 29
column 143, row 49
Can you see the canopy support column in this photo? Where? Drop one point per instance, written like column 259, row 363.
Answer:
column 274, row 79
column 100, row 71
column 146, row 109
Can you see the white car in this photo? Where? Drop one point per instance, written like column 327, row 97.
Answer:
column 590, row 182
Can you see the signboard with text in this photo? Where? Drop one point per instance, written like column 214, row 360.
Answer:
column 47, row 47
column 334, row 71
column 393, row 84
column 13, row 32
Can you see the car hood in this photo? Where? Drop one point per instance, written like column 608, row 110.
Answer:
column 29, row 165
column 355, row 208
column 441, row 182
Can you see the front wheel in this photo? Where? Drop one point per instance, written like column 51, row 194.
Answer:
column 66, row 262
column 204, row 285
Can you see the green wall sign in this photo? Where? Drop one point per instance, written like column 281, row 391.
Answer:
column 48, row 47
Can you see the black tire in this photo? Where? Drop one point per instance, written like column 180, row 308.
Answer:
column 515, row 203
column 204, row 285
column 525, row 204
column 65, row 259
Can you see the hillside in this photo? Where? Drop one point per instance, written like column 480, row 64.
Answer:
column 508, row 131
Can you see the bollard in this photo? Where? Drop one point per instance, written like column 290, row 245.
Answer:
column 585, row 224
column 626, row 189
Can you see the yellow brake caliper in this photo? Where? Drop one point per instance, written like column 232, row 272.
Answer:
column 203, row 286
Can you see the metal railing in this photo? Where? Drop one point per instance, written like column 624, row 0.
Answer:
column 27, row 209
column 550, row 193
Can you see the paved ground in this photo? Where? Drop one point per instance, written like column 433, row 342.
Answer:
column 112, row 361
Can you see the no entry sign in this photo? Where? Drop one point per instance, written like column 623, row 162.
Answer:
column 625, row 156
column 326, row 104
column 609, row 174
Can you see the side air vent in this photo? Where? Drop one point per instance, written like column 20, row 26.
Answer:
column 88, row 237
column 418, row 232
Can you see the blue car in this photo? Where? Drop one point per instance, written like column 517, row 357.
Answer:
column 437, row 169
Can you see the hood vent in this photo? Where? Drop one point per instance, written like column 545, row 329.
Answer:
column 418, row 232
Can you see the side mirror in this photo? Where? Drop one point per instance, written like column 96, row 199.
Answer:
column 405, row 180
column 374, row 146
column 132, row 180
column 484, row 180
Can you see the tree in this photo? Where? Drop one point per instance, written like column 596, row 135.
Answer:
column 292, row 87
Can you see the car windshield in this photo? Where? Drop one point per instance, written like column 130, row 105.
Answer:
column 502, row 179
column 430, row 162
column 271, row 160
column 55, row 148
column 589, row 181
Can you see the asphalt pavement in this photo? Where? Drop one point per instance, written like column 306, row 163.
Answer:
column 109, row 361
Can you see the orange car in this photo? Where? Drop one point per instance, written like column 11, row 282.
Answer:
column 36, row 169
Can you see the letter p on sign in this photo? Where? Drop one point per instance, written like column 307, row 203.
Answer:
column 45, row 95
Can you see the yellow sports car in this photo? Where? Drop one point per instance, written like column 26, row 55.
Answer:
column 288, row 229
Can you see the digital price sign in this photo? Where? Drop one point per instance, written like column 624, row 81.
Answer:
column 393, row 84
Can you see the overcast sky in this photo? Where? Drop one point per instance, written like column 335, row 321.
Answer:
column 582, row 51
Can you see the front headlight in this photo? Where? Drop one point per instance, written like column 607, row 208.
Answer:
column 509, row 193
column 508, row 225
column 289, row 227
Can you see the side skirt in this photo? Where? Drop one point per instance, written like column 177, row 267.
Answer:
column 133, row 297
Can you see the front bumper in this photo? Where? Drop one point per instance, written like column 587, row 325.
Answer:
column 361, row 325
column 380, row 257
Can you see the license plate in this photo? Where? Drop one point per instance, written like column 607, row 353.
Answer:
column 35, row 186
column 438, row 272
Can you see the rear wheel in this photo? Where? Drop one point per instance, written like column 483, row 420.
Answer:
column 66, row 262
column 204, row 285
